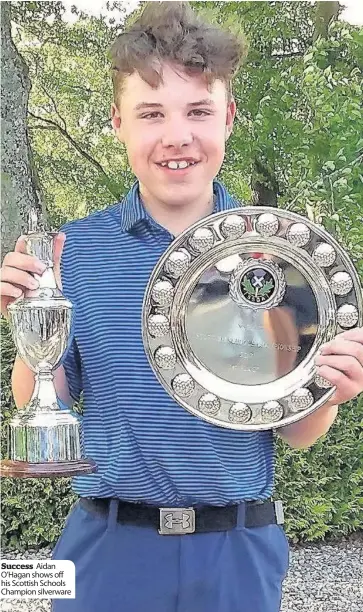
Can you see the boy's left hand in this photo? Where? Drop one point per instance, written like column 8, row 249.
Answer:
column 341, row 363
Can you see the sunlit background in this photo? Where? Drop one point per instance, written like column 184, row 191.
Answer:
column 353, row 12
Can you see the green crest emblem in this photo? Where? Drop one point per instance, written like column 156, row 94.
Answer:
column 257, row 285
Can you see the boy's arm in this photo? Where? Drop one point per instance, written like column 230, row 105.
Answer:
column 307, row 431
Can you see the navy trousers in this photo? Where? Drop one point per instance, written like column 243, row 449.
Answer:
column 123, row 568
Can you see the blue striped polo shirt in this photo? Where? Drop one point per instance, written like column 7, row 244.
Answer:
column 147, row 447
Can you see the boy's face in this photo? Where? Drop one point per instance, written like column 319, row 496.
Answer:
column 179, row 121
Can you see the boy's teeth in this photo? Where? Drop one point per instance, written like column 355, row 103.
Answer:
column 174, row 165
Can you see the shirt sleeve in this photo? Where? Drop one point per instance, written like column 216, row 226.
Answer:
column 71, row 362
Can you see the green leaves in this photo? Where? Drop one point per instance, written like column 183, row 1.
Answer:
column 247, row 285
column 323, row 485
column 266, row 288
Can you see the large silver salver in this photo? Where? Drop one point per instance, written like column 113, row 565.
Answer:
column 236, row 310
column 44, row 441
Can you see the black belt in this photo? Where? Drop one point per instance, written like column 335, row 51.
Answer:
column 176, row 521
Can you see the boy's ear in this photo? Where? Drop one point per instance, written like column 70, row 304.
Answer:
column 116, row 122
column 231, row 113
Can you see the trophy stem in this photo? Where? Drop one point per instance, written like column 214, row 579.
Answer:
column 44, row 397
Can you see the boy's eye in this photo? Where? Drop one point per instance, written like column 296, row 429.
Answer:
column 150, row 115
column 199, row 112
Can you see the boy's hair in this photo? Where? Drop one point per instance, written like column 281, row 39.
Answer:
column 173, row 32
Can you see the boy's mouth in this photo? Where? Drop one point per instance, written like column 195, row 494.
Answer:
column 182, row 164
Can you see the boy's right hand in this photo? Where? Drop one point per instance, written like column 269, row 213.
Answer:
column 18, row 268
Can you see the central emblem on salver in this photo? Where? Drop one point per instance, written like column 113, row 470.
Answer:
column 257, row 285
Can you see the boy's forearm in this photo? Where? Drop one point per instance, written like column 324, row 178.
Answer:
column 307, row 431
column 23, row 382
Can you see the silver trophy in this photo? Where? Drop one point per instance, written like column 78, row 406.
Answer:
column 44, row 441
column 236, row 310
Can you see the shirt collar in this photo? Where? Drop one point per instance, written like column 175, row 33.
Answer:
column 132, row 210
column 223, row 200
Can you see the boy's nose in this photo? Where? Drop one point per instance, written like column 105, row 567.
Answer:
column 176, row 136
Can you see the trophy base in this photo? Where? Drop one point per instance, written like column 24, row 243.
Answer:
column 46, row 469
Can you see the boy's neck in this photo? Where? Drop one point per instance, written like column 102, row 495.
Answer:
column 176, row 219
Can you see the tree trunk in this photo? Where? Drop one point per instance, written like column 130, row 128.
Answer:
column 265, row 189
column 326, row 12
column 20, row 189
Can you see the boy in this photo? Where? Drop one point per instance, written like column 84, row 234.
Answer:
column 174, row 110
